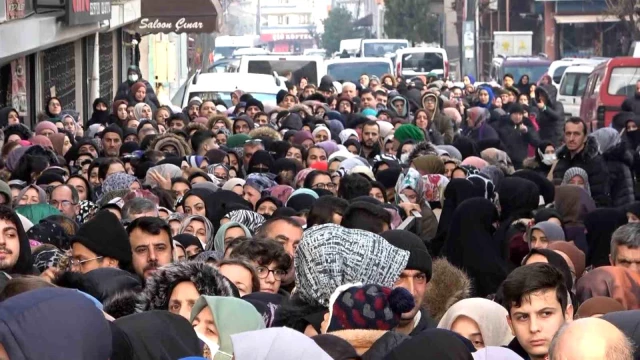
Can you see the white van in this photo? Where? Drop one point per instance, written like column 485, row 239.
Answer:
column 558, row 67
column 572, row 86
column 381, row 47
column 416, row 61
column 311, row 67
column 350, row 69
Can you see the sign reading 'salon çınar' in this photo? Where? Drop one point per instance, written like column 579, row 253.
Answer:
column 167, row 24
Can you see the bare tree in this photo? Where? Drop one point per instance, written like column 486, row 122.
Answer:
column 628, row 11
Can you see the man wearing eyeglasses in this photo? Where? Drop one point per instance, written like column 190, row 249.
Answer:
column 65, row 198
column 100, row 242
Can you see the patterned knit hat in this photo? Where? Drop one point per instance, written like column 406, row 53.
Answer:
column 330, row 256
column 368, row 307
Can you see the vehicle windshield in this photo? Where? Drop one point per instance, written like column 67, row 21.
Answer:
column 422, row 62
column 227, row 51
column 378, row 49
column 557, row 74
column 623, row 81
column 534, row 72
column 226, row 96
column 299, row 69
column 574, row 84
column 352, row 71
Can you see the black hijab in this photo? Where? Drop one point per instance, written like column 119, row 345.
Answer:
column 263, row 158
column 457, row 191
column 545, row 187
column 219, row 203
column 600, row 225
column 159, row 335
column 432, row 344
column 466, row 146
column 4, row 116
column 187, row 240
column 470, row 245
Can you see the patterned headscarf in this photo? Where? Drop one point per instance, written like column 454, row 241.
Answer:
column 434, row 185
column 483, row 186
column 46, row 256
column 118, row 181
column 207, row 226
column 469, row 170
column 282, row 192
column 251, row 219
column 576, row 171
column 410, row 179
column 261, row 181
column 48, row 232
column 330, row 255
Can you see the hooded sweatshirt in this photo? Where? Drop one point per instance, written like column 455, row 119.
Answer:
column 442, row 123
column 37, row 325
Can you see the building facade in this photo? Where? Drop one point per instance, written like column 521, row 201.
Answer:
column 290, row 26
column 73, row 52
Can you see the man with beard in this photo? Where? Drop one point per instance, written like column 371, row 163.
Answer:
column 15, row 253
column 151, row 245
column 370, row 139
column 100, row 242
column 193, row 108
column 415, row 278
column 287, row 232
column 111, row 141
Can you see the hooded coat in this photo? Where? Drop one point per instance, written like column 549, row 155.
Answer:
column 471, row 247
column 124, row 89
column 37, row 325
column 24, row 264
column 516, row 142
column 158, row 288
column 4, row 116
column 441, row 122
column 551, row 116
column 600, row 225
column 593, row 163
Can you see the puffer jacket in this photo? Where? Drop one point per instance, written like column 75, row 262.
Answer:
column 551, row 118
column 619, row 163
column 515, row 141
column 441, row 122
column 593, row 163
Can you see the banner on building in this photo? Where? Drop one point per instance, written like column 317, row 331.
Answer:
column 80, row 12
column 19, row 85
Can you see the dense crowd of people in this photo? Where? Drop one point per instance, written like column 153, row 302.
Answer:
column 390, row 219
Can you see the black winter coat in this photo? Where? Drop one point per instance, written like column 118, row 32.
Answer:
column 632, row 103
column 516, row 142
column 619, row 163
column 551, row 118
column 590, row 160
column 124, row 93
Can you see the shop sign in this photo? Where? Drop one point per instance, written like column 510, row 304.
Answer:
column 280, row 37
column 80, row 12
column 19, row 85
column 15, row 9
column 165, row 24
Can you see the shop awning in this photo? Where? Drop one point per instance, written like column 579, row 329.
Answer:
column 179, row 16
column 582, row 19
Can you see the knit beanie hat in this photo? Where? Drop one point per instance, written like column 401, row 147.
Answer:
column 105, row 236
column 112, row 129
column 368, row 307
column 301, row 136
column 46, row 125
column 419, row 258
column 254, row 102
column 408, row 131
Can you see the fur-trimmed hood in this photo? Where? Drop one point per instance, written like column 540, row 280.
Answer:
column 590, row 151
column 447, row 286
column 171, row 139
column 207, row 280
column 265, row 131
column 361, row 340
column 421, row 149
column 619, row 152
column 531, row 163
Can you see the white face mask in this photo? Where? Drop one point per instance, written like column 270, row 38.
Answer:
column 549, row 159
column 133, row 77
column 404, row 158
column 213, row 347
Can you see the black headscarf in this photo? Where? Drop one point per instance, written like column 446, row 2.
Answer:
column 187, row 240
column 432, row 344
column 466, row 146
column 545, row 187
column 518, row 198
column 219, row 203
column 260, row 157
column 159, row 335
column 470, row 245
column 99, row 116
column 600, row 225
column 353, row 142
column 457, row 191
column 4, row 116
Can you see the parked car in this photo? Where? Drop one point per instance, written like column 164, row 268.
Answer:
column 609, row 84
column 311, row 67
column 350, row 69
column 533, row 66
column 212, row 86
column 558, row 67
column 572, row 87
column 416, row 61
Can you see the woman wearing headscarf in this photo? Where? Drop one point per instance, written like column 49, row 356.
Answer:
column 120, row 181
column 227, row 232
column 432, row 344
column 142, row 111
column 61, row 143
column 578, row 177
column 411, row 186
column 216, row 318
column 544, row 233
column 251, row 219
column 255, row 185
column 471, row 247
column 542, row 160
column 32, row 194
column 198, row 226
column 545, row 186
column 598, row 306
column 455, row 193
column 615, row 282
column 488, row 320
column 9, row 116
column 600, row 225
column 573, row 204
column 619, row 162
column 466, row 146
column 518, row 198
column 477, row 126
column 53, row 107
column 261, row 162
column 422, row 121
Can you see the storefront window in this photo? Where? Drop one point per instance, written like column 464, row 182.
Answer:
column 13, row 86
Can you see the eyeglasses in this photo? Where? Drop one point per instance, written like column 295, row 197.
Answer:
column 263, row 273
column 253, row 141
column 327, row 186
column 75, row 263
column 65, row 204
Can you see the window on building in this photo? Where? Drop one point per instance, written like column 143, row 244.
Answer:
column 304, row 19
column 283, row 20
column 283, row 2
